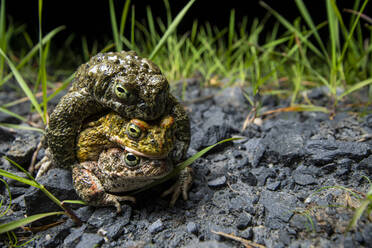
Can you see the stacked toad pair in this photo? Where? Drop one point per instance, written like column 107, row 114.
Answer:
column 119, row 129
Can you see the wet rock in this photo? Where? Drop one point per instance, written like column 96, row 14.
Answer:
column 59, row 183
column 249, row 178
column 156, row 227
column 273, row 186
column 247, row 233
column 23, row 147
column 217, row 182
column 84, row 213
column 6, row 138
column 114, row 230
column 89, row 240
column 254, row 149
column 54, row 236
column 207, row 244
column 303, row 179
column 107, row 215
column 244, row 220
column 278, row 208
column 321, row 152
column 366, row 165
column 216, row 127
column 263, row 174
column 300, row 222
column 367, row 234
column 192, row 228
column 285, row 141
column 74, row 237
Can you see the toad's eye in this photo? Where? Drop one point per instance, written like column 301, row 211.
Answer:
column 133, row 131
column 121, row 92
column 131, row 160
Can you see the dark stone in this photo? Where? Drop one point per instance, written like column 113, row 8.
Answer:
column 74, row 237
column 263, row 173
column 366, row 165
column 244, row 220
column 84, row 213
column 54, row 236
column 192, row 228
column 247, row 233
column 207, row 244
column 217, row 182
column 249, row 178
column 285, row 140
column 278, row 208
column 107, row 215
column 6, row 138
column 89, row 240
column 300, row 222
column 284, row 237
column 23, row 147
column 215, row 127
column 348, row 242
column 59, row 183
column 254, row 148
column 273, row 186
column 303, row 179
column 156, row 226
column 367, row 234
column 321, row 152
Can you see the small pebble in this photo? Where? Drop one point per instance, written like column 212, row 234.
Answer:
column 192, row 228
column 219, row 181
column 273, row 186
column 156, row 227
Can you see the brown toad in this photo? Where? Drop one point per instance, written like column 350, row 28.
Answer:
column 116, row 171
column 123, row 82
column 153, row 140
column 149, row 142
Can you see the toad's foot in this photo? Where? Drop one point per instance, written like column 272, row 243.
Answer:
column 91, row 190
column 183, row 185
column 114, row 200
column 44, row 164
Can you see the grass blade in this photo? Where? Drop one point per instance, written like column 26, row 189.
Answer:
column 24, row 86
column 32, row 52
column 21, row 127
column 355, row 87
column 8, row 112
column 171, row 28
column 291, row 28
column 22, row 222
column 2, row 213
column 3, row 38
column 7, row 174
column 124, row 16
column 305, row 14
column 114, row 27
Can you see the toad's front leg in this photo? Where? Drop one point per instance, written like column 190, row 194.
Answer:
column 182, row 185
column 90, row 189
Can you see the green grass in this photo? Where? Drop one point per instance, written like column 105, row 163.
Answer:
column 255, row 57
column 259, row 58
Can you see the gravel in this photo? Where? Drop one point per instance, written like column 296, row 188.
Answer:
column 260, row 188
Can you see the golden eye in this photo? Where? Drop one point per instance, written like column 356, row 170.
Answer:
column 131, row 160
column 121, row 92
column 133, row 131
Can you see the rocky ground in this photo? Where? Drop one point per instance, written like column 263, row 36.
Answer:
column 260, row 188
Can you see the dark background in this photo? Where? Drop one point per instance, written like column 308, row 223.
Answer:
column 92, row 19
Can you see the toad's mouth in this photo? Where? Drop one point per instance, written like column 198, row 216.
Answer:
column 141, row 154
column 135, row 152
